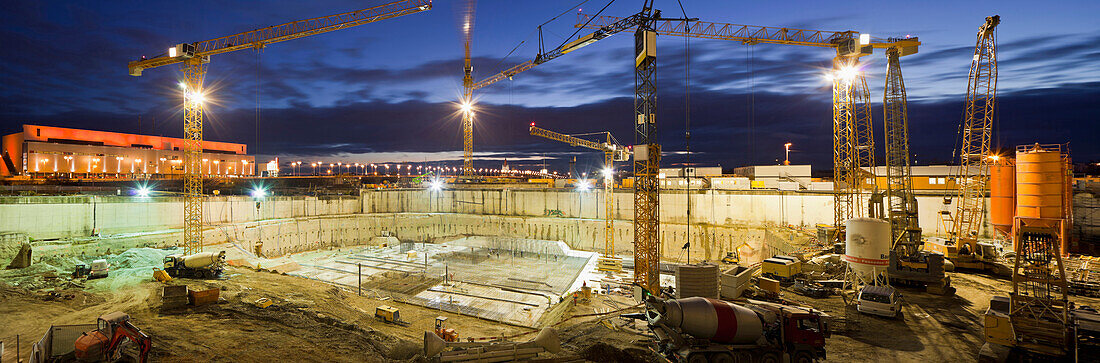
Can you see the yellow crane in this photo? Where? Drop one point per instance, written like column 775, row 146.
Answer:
column 612, row 152
column 194, row 58
column 853, row 136
column 467, row 103
column 972, row 179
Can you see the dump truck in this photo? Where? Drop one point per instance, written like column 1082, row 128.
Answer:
column 203, row 265
column 698, row 329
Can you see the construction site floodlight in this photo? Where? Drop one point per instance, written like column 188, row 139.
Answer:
column 435, row 185
column 172, row 52
column 847, row 73
column 584, row 185
column 197, row 97
column 607, row 172
column 258, row 193
column 143, row 191
column 864, row 39
column 183, row 85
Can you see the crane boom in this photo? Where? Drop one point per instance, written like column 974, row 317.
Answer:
column 972, row 179
column 571, row 140
column 260, row 38
column 602, row 32
column 747, row 34
column 194, row 58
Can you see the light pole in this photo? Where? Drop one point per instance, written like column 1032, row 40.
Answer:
column 787, row 158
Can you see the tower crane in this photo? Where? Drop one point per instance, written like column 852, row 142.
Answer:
column 467, row 103
column 647, row 152
column 194, row 58
column 612, row 152
column 972, row 179
column 853, row 136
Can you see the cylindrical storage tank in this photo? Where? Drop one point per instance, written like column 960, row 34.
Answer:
column 717, row 320
column 203, row 259
column 1002, row 196
column 867, row 245
column 1039, row 183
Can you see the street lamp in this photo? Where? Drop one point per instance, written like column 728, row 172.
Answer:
column 787, row 159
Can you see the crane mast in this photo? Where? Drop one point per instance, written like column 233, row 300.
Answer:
column 973, row 178
column 467, row 92
column 194, row 57
column 902, row 205
column 612, row 152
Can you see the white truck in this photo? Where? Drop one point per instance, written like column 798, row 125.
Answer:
column 202, row 265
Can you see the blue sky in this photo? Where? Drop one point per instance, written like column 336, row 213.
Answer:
column 382, row 91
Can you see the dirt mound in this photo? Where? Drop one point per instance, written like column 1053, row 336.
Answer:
column 603, row 352
column 319, row 328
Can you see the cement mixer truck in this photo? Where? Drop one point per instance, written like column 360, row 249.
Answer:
column 697, row 330
column 203, row 265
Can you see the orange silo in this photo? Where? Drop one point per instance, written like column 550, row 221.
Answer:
column 1039, row 183
column 1002, row 195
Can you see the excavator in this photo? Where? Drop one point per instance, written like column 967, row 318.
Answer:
column 105, row 343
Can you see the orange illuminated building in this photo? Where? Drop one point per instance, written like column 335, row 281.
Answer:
column 44, row 151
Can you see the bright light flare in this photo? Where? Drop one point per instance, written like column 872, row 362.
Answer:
column 258, row 193
column 844, row 73
column 435, row 185
column 466, row 107
column 143, row 191
column 197, row 97
column 584, row 185
column 607, row 172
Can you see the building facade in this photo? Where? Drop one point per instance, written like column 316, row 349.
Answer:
column 57, row 152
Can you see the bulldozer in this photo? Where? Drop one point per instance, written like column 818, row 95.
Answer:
column 105, row 344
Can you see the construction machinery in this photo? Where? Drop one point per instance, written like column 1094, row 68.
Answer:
column 972, row 180
column 205, row 265
column 106, row 342
column 194, row 58
column 909, row 263
column 389, row 314
column 612, row 152
column 443, row 332
column 698, row 329
column 853, row 137
column 647, row 152
column 1037, row 319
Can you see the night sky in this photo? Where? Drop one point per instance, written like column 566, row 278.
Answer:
column 385, row 91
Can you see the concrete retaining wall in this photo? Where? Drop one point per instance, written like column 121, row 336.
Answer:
column 64, row 217
column 708, row 207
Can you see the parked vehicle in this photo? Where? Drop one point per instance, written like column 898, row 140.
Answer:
column 879, row 300
column 98, row 269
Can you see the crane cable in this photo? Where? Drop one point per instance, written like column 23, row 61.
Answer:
column 687, row 122
column 497, row 66
column 259, row 88
column 752, row 102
